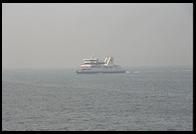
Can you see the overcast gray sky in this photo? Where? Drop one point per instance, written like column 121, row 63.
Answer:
column 61, row 35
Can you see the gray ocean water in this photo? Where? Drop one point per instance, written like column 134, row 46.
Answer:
column 146, row 99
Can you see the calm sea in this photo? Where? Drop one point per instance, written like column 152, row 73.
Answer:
column 146, row 99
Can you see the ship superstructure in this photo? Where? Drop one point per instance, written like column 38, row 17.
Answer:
column 94, row 65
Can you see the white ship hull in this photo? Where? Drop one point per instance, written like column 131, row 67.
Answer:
column 92, row 72
column 101, row 70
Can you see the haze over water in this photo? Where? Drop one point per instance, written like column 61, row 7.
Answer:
column 61, row 35
column 44, row 44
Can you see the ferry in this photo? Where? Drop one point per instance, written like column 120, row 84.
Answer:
column 94, row 65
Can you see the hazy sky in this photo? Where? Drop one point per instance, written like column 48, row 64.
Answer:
column 61, row 35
